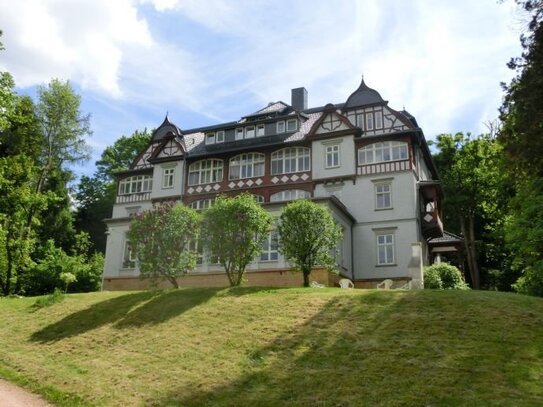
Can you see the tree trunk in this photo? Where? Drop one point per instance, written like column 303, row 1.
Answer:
column 468, row 231
column 306, row 277
column 174, row 282
column 7, row 285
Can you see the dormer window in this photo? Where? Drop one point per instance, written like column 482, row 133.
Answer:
column 281, row 127
column 210, row 138
column 239, row 133
column 260, row 130
column 219, row 136
column 249, row 132
column 292, row 125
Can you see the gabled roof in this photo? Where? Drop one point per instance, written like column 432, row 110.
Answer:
column 330, row 109
column 272, row 108
column 364, row 95
column 447, row 237
column 165, row 129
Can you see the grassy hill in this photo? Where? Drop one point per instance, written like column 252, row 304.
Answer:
column 284, row 347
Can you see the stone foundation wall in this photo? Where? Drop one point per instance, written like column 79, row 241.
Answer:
column 261, row 278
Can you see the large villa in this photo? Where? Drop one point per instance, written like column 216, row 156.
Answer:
column 368, row 163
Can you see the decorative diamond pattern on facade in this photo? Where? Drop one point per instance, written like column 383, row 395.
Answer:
column 284, row 178
column 304, row 177
column 275, row 180
column 231, row 185
column 207, row 188
column 295, row 178
column 428, row 218
column 190, row 190
column 250, row 183
column 216, row 187
column 240, row 184
column 199, row 189
column 258, row 181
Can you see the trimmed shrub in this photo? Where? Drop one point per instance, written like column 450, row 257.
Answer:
column 444, row 276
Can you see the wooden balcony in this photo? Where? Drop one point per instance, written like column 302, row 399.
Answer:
column 383, row 167
column 431, row 225
column 129, row 198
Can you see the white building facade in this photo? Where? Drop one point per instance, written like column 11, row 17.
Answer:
column 367, row 162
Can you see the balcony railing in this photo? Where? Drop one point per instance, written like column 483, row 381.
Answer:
column 387, row 166
column 129, row 198
column 431, row 224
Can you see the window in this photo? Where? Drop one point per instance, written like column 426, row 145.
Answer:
column 167, row 177
column 360, row 120
column 292, row 125
column 239, row 134
column 249, row 132
column 385, row 151
column 198, row 249
column 135, row 184
column 247, row 166
column 210, row 138
column 332, row 156
column 281, row 127
column 270, row 247
column 292, row 159
column 132, row 211
column 385, row 249
column 201, row 204
column 369, row 121
column 205, row 172
column 260, row 130
column 219, row 136
column 383, row 196
column 289, row 195
column 259, row 198
column 378, row 120
column 129, row 259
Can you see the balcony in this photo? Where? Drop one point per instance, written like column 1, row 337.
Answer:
column 130, row 198
column 383, row 167
column 431, row 225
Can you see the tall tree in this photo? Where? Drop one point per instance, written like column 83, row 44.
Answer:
column 234, row 230
column 472, row 182
column 308, row 236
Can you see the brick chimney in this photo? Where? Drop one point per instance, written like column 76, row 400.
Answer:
column 299, row 99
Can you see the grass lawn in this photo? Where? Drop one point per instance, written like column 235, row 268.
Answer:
column 278, row 347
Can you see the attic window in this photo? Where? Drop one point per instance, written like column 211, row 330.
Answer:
column 239, row 133
column 210, row 138
column 249, row 132
column 281, row 126
column 260, row 130
column 292, row 125
column 219, row 136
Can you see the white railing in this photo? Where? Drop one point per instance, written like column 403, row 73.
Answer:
column 129, row 198
column 388, row 166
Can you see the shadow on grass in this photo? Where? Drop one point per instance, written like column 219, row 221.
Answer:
column 133, row 310
column 382, row 348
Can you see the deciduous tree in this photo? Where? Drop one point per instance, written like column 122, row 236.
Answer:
column 308, row 236
column 234, row 230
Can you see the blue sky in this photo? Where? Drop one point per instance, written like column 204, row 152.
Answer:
column 210, row 61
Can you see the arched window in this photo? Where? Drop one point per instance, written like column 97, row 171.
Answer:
column 205, row 172
column 385, row 151
column 201, row 204
column 289, row 195
column 136, row 184
column 247, row 166
column 291, row 159
column 258, row 198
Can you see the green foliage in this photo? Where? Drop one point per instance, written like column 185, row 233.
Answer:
column 55, row 297
column 444, row 276
column 531, row 281
column 67, row 278
column 161, row 239
column 308, row 236
column 234, row 230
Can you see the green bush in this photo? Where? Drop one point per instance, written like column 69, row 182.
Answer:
column 48, row 300
column 531, row 281
column 444, row 276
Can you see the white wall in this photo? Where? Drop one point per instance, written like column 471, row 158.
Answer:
column 115, row 251
column 347, row 157
column 158, row 190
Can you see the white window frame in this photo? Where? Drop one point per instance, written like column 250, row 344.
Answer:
column 369, row 121
column 168, row 176
column 290, row 195
column 239, row 133
column 136, row 184
column 210, row 138
column 247, row 165
column 290, row 160
column 250, row 132
column 383, row 189
column 360, row 120
column 260, row 130
column 197, row 247
column 129, row 260
column 209, row 171
column 281, row 127
column 385, row 246
column 334, row 152
column 270, row 247
column 383, row 152
column 378, row 119
column 219, row 136
column 202, row 204
column 289, row 122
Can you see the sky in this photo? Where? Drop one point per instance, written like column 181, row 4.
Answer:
column 210, row 61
